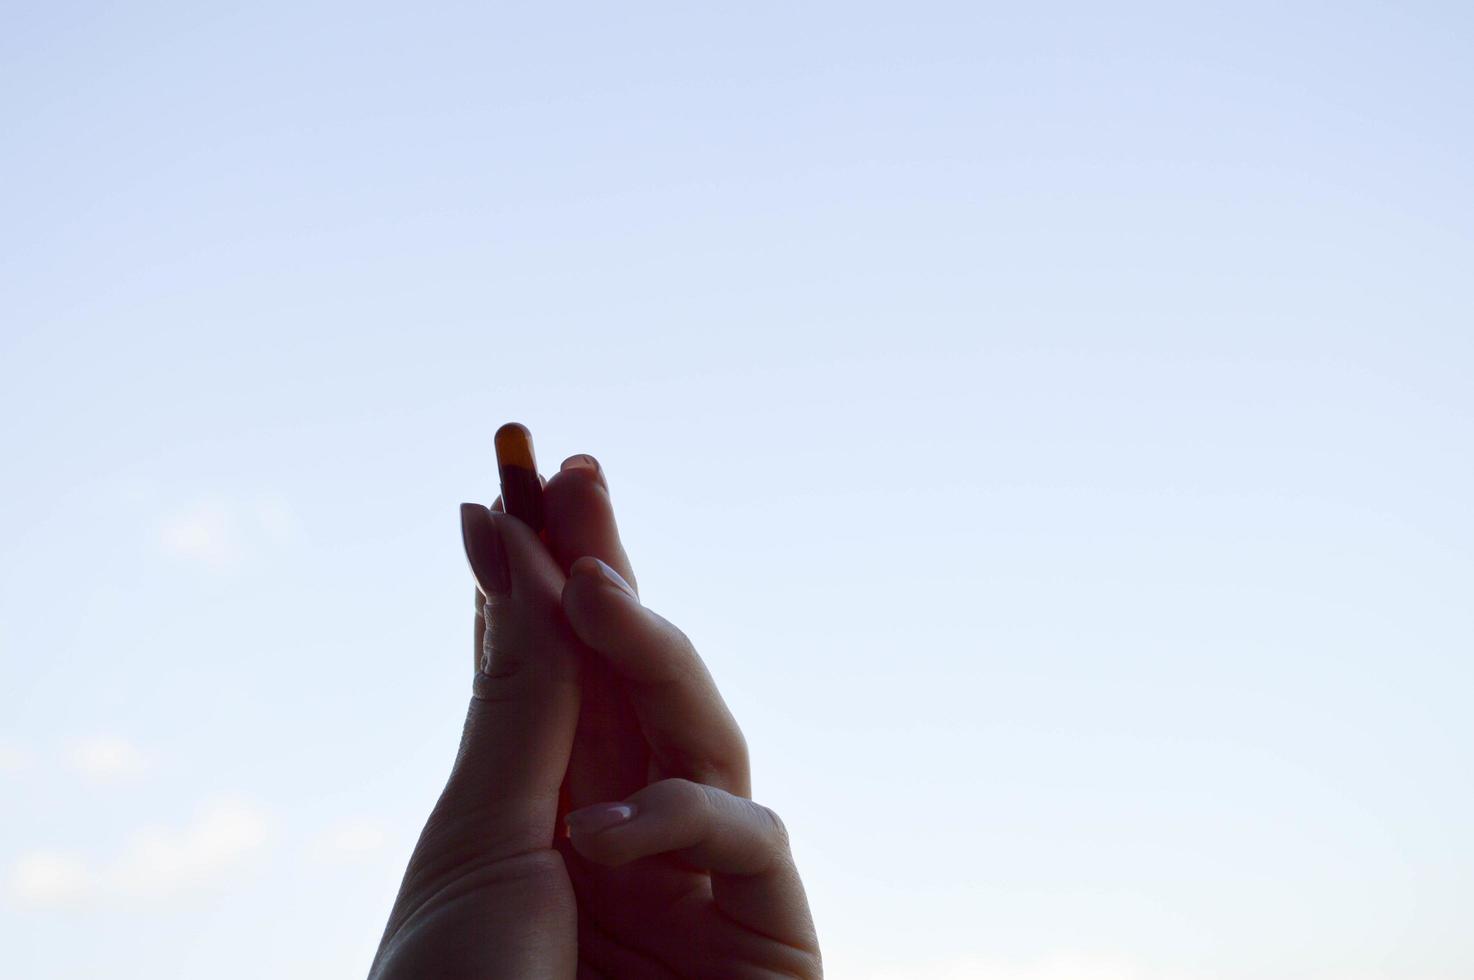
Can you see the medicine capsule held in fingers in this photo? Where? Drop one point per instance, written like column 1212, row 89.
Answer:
column 522, row 491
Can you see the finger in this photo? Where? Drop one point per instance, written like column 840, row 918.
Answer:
column 478, row 631
column 581, row 518
column 500, row 508
column 743, row 845
column 516, row 464
column 602, row 958
column 610, row 758
column 681, row 712
column 478, row 625
column 503, row 789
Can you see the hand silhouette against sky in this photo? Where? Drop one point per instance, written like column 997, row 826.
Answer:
column 591, row 712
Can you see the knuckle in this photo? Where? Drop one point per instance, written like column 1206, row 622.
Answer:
column 736, row 753
column 681, row 644
column 688, row 794
column 677, row 655
column 774, row 830
column 503, row 675
column 689, row 799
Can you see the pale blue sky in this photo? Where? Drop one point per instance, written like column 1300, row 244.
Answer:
column 1052, row 422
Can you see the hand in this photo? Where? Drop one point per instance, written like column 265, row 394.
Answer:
column 669, row 870
column 485, row 894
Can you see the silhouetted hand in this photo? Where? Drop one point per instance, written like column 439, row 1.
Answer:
column 588, row 701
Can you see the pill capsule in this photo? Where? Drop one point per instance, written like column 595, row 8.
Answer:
column 522, row 491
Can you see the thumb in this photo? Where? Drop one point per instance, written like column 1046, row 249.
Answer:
column 502, row 796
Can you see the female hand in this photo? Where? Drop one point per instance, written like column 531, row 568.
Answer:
column 669, row 870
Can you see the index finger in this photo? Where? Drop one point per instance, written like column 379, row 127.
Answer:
column 581, row 516
column 478, row 623
column 524, row 709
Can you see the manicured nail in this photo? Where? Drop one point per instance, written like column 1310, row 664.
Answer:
column 589, row 565
column 580, row 461
column 522, row 488
column 583, row 461
column 600, row 816
column 483, row 544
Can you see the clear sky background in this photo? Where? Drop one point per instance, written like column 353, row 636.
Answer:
column 1051, row 421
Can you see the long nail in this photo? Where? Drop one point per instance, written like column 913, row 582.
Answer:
column 522, row 489
column 600, row 816
column 483, row 543
column 590, row 565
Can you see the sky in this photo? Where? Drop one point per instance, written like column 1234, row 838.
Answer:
column 1052, row 423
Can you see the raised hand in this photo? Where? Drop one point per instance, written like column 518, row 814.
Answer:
column 588, row 706
column 485, row 893
column 676, row 871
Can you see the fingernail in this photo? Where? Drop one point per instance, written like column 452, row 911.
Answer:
column 516, row 465
column 583, row 461
column 483, row 544
column 600, row 816
column 588, row 564
column 580, row 461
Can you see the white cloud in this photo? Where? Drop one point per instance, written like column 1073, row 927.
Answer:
column 106, row 758
column 163, row 861
column 351, row 840
column 220, row 532
column 205, row 533
column 14, row 757
column 157, row 862
column 50, row 878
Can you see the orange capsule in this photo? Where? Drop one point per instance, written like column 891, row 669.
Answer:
column 522, row 491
